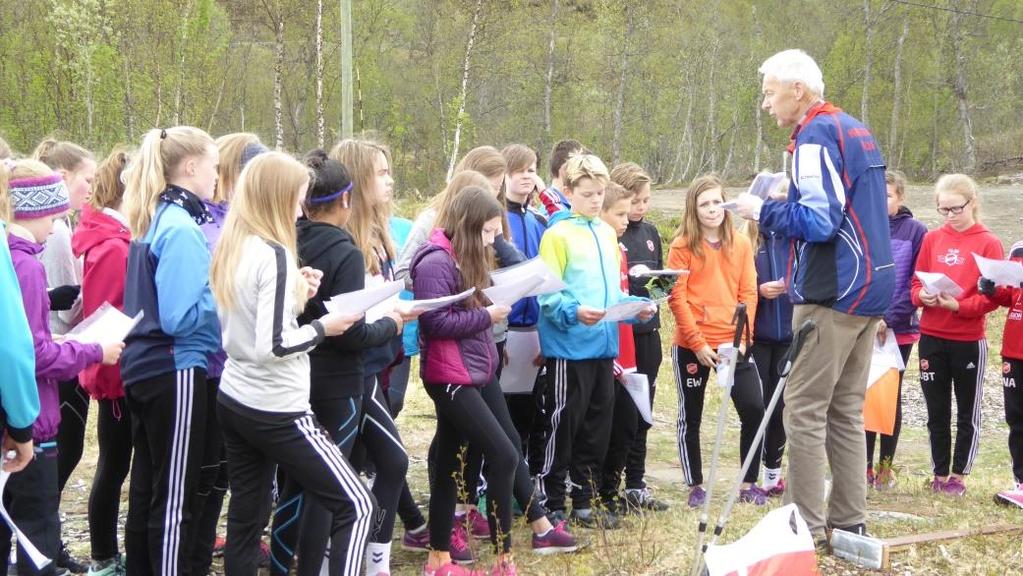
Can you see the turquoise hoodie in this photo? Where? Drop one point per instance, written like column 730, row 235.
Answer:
column 584, row 253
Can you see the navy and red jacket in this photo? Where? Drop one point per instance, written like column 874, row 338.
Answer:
column 527, row 228
column 773, row 322
column 907, row 238
column 1012, row 298
column 837, row 214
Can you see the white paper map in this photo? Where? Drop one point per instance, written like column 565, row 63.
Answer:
column 886, row 357
column 765, row 183
column 532, row 267
column 363, row 300
column 641, row 271
column 937, row 283
column 410, row 306
column 521, row 348
column 1001, row 272
column 509, row 293
column 637, row 386
column 107, row 325
column 626, row 310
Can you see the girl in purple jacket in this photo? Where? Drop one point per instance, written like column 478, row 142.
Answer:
column 907, row 237
column 459, row 360
column 38, row 197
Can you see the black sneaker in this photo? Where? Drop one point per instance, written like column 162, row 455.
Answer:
column 595, row 519
column 638, row 500
column 66, row 561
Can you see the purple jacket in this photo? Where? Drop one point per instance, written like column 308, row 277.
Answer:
column 54, row 362
column 457, row 343
column 215, row 362
column 907, row 237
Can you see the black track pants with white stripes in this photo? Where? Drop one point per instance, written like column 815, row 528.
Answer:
column 168, row 429
column 947, row 367
column 581, row 398
column 256, row 443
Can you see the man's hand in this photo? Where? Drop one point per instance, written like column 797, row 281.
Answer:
column 882, row 332
column 748, row 206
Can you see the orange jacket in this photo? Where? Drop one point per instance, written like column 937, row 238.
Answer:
column 704, row 300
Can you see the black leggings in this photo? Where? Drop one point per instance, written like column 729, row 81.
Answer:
column 770, row 358
column 691, row 380
column 477, row 415
column 208, row 499
column 74, row 413
column 362, row 419
column 257, row 443
column 113, row 432
column 888, row 443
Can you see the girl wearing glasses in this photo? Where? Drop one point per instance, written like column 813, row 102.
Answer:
column 953, row 350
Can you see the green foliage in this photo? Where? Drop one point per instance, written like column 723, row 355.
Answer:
column 103, row 71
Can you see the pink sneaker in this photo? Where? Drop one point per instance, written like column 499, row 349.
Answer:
column 954, row 486
column 449, row 569
column 1012, row 497
column 460, row 551
column 778, row 489
column 937, row 485
column 555, row 541
column 870, row 477
column 478, row 525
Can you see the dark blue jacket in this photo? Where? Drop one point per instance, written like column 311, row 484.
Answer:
column 907, row 237
column 837, row 213
column 774, row 316
column 527, row 228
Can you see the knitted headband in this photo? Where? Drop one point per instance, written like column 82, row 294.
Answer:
column 251, row 151
column 38, row 196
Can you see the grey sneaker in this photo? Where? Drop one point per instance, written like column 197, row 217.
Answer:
column 638, row 500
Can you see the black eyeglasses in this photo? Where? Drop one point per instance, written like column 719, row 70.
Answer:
column 955, row 210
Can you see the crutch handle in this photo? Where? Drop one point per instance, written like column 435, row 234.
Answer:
column 740, row 318
column 800, row 339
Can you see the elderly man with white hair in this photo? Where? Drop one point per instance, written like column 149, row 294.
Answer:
column 842, row 277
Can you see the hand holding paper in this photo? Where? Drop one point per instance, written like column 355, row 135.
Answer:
column 938, row 284
column 106, row 326
column 1001, row 272
column 628, row 310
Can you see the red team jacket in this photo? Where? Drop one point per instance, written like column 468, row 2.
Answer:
column 1012, row 298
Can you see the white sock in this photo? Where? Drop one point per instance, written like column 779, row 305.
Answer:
column 378, row 558
column 461, row 509
column 771, row 477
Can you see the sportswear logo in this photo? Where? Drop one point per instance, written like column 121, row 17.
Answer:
column 971, row 366
column 692, row 368
column 1006, row 368
column 650, row 245
column 951, row 258
column 924, row 365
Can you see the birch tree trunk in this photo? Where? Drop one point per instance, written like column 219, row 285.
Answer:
column 320, row 126
column 959, row 88
column 278, row 76
column 548, row 89
column 616, row 130
column 893, row 130
column 463, row 94
column 183, row 46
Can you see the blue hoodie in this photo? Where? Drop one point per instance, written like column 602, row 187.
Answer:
column 169, row 271
column 837, row 213
column 527, row 228
column 774, row 317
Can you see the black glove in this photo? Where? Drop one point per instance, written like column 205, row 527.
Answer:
column 986, row 286
column 63, row 297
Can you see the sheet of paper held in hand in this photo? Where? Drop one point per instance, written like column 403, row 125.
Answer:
column 34, row 554
column 1001, row 272
column 626, row 310
column 937, row 283
column 641, row 271
column 410, row 306
column 107, row 325
column 532, row 267
column 637, row 386
column 509, row 293
column 761, row 187
column 363, row 300
column 521, row 348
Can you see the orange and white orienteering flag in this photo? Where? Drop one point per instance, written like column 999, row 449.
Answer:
column 779, row 545
column 882, row 396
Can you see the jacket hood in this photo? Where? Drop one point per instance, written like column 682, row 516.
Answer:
column 317, row 238
column 903, row 213
column 96, row 228
column 438, row 241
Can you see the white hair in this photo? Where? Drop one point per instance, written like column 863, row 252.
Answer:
column 795, row 66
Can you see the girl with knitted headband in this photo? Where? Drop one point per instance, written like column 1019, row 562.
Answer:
column 165, row 359
column 64, row 276
column 39, row 197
